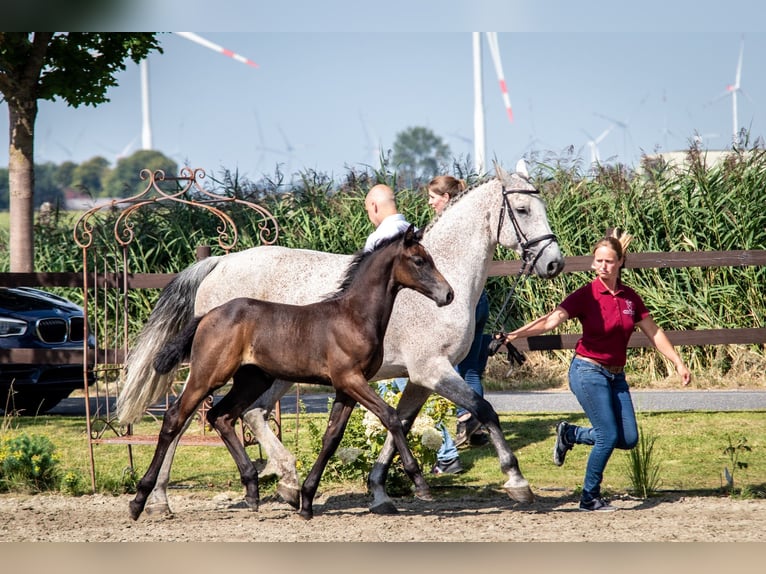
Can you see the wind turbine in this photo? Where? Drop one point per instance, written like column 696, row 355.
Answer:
column 479, row 139
column 624, row 126
column 592, row 143
column 146, row 125
column 733, row 89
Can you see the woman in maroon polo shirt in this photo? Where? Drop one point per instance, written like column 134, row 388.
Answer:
column 609, row 311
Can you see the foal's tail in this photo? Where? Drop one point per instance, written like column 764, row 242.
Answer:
column 175, row 308
column 177, row 350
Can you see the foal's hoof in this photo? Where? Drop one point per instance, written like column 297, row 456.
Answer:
column 135, row 508
column 306, row 514
column 290, row 495
column 252, row 504
column 521, row 494
column 386, row 507
column 426, row 496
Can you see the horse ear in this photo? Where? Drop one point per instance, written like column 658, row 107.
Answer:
column 412, row 235
column 500, row 172
column 521, row 168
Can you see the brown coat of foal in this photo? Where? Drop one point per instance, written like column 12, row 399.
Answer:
column 336, row 342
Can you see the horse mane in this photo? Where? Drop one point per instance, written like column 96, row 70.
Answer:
column 356, row 263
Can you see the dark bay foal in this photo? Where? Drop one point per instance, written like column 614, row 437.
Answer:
column 336, row 342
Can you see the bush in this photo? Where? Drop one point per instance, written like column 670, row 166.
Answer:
column 28, row 464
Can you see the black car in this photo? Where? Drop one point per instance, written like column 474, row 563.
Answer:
column 35, row 319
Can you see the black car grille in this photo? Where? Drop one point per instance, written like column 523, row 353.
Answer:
column 76, row 329
column 52, row 330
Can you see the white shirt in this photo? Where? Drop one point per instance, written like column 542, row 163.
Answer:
column 390, row 226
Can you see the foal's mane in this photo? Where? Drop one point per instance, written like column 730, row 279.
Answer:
column 356, row 264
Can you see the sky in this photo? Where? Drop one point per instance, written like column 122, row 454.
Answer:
column 326, row 98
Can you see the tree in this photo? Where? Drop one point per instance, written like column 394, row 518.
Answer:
column 78, row 67
column 89, row 175
column 419, row 154
column 124, row 180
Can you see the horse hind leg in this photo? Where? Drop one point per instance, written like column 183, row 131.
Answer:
column 175, row 420
column 280, row 461
column 249, row 383
column 336, row 426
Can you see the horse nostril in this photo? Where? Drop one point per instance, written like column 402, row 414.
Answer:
column 554, row 268
column 450, row 296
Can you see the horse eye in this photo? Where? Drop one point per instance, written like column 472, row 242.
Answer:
column 522, row 210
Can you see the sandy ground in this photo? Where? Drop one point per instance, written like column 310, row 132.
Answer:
column 344, row 517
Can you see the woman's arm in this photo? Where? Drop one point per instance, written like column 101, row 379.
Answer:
column 660, row 340
column 539, row 326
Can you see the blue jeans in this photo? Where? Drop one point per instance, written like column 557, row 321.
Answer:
column 448, row 450
column 605, row 398
column 472, row 367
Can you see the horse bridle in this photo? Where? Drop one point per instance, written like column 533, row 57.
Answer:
column 527, row 265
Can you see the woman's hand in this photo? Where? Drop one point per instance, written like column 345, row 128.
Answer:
column 684, row 373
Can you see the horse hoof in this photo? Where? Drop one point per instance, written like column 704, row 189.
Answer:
column 252, row 504
column 135, row 508
column 386, row 507
column 290, row 495
column 306, row 514
column 161, row 509
column 426, row 496
column 521, row 494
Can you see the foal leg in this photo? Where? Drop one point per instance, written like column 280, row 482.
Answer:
column 410, row 403
column 366, row 396
column 336, row 425
column 249, row 383
column 157, row 503
column 175, row 420
column 280, row 461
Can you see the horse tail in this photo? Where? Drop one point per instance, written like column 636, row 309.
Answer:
column 175, row 308
column 177, row 350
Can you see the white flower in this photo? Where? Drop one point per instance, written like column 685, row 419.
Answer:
column 348, row 454
column 372, row 426
column 422, row 423
column 431, row 439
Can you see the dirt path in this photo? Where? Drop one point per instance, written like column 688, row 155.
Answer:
column 344, row 517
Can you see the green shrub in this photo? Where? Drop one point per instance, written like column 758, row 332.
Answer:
column 643, row 468
column 28, row 463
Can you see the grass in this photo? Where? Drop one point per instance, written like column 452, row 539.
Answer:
column 689, row 448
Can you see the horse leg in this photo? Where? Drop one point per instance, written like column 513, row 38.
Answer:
column 175, row 420
column 280, row 461
column 452, row 387
column 249, row 383
column 412, row 400
column 366, row 396
column 157, row 502
column 336, row 425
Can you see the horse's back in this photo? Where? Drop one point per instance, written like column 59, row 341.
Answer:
column 272, row 273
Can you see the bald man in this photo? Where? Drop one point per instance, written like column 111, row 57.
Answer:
column 381, row 209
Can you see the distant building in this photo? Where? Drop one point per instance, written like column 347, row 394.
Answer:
column 680, row 159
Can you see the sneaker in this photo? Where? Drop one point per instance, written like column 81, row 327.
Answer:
column 562, row 445
column 451, row 466
column 479, row 438
column 597, row 505
column 465, row 429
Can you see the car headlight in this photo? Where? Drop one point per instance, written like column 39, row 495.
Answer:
column 12, row 327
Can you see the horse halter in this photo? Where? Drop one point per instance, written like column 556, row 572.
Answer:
column 521, row 237
column 527, row 264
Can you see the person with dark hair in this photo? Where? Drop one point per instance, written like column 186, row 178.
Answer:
column 609, row 311
column 441, row 190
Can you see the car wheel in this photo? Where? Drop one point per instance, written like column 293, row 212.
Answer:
column 31, row 403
